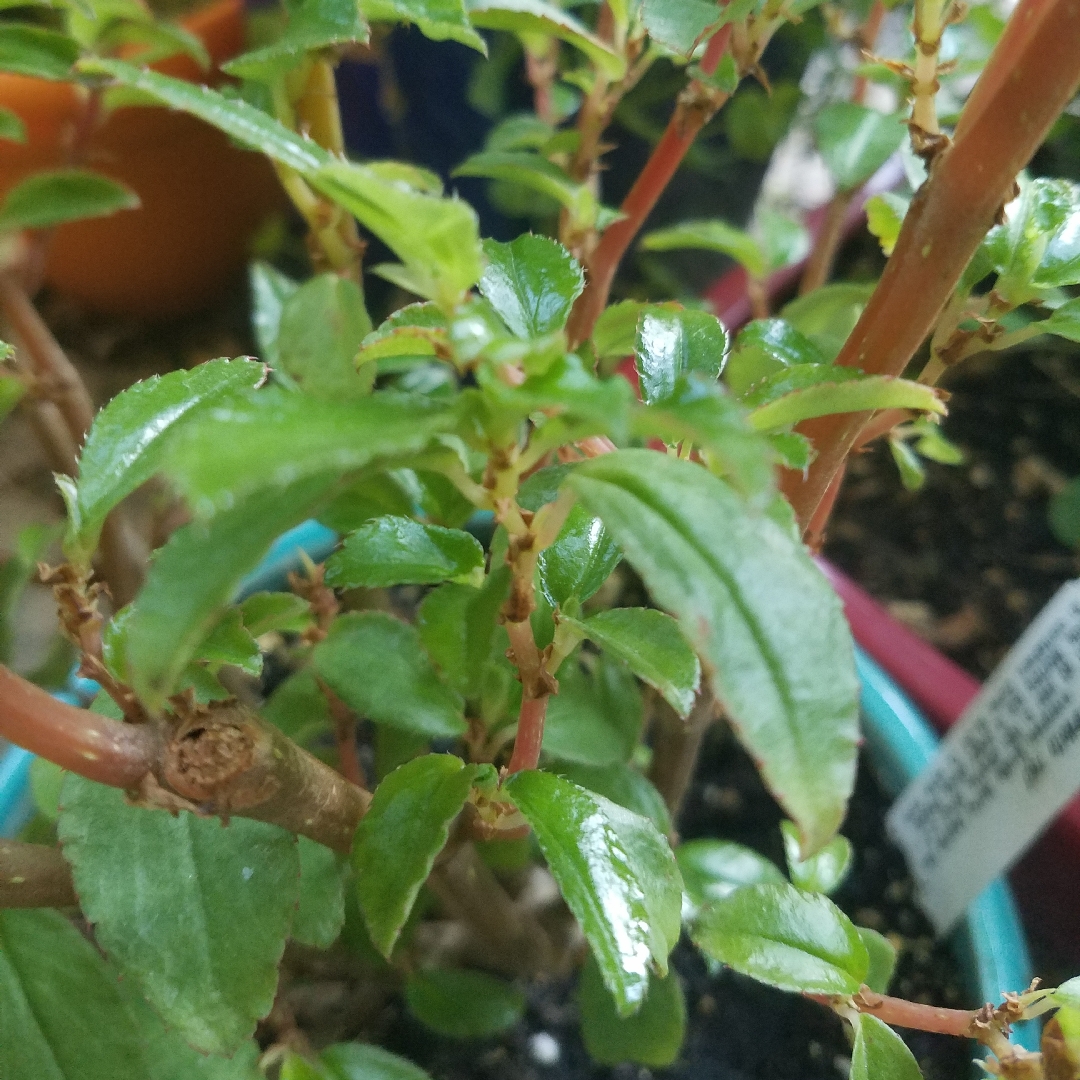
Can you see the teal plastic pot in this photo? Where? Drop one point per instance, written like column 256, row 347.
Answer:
column 989, row 944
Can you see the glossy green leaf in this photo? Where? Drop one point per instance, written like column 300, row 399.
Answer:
column 230, row 642
column 400, row 551
column 882, row 956
column 540, row 17
column 652, row 645
column 827, row 315
column 679, row 26
column 852, row 395
column 463, row 1004
column 880, row 1054
column 615, row 333
column 151, row 40
column 404, row 829
column 61, row 1012
column 823, row 872
column 652, row 1037
column 37, row 52
column 1067, row 995
column 320, row 910
column 195, row 575
column 596, row 718
column 416, row 330
column 12, row 127
column 46, row 199
column 376, row 665
column 714, row 869
column 436, row 238
column 265, row 612
column 790, row 939
column 1064, row 322
column 440, row 20
column 537, row 173
column 783, row 239
column 622, row 784
column 168, row 902
column 270, row 288
column 884, row 216
column 757, row 611
column 908, row 464
column 321, row 327
column 765, row 347
column 856, row 141
column 352, row 1061
column 579, row 562
column 710, row 235
column 702, row 413
column 127, row 443
column 673, row 343
column 272, row 438
column 312, row 25
column 616, row 873
column 532, row 283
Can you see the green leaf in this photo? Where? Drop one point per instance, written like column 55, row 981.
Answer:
column 1064, row 322
column 1064, row 514
column 12, row 127
column 652, row 1036
column 827, row 315
column 436, row 238
column 821, row 873
column 271, row 438
column 196, row 912
column 912, row 473
column 399, row 551
column 46, row 199
column 376, row 665
column 880, row 1054
column 312, row 25
column 539, row 17
column 787, row 938
column 679, row 26
column 127, row 442
column 653, row 646
column 882, row 959
column 320, row 911
column 12, row 391
column 299, row 708
column 622, row 784
column 15, row 574
column 783, row 239
column 615, row 333
column 352, row 1061
column 62, row 1016
column 414, row 331
column 884, row 216
column 852, row 395
column 230, row 642
column 755, row 121
column 616, row 873
column 757, row 611
column 151, row 40
column 37, row 52
column 765, row 347
column 535, row 172
column 594, row 719
column 1067, row 995
column 714, row 869
column 673, row 343
column 463, row 1004
column 269, row 290
column 532, row 283
column 440, row 20
column 46, row 779
column 321, row 327
column 579, row 562
column 710, row 235
column 265, row 612
column 856, row 141
column 195, row 575
column 405, row 827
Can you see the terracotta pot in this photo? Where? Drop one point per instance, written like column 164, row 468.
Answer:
column 202, row 198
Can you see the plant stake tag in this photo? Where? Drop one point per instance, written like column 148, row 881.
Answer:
column 1004, row 771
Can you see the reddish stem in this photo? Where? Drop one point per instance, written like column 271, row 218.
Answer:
column 909, row 1014
column 689, row 118
column 1032, row 74
column 530, row 734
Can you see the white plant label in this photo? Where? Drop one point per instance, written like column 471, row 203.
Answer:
column 1004, row 771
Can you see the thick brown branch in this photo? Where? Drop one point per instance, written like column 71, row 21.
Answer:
column 220, row 759
column 1031, row 76
column 33, row 875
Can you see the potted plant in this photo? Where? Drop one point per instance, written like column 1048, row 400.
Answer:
column 505, row 701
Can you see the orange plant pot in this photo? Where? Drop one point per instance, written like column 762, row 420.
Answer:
column 202, row 198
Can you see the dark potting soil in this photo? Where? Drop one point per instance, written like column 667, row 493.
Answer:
column 737, row 1029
